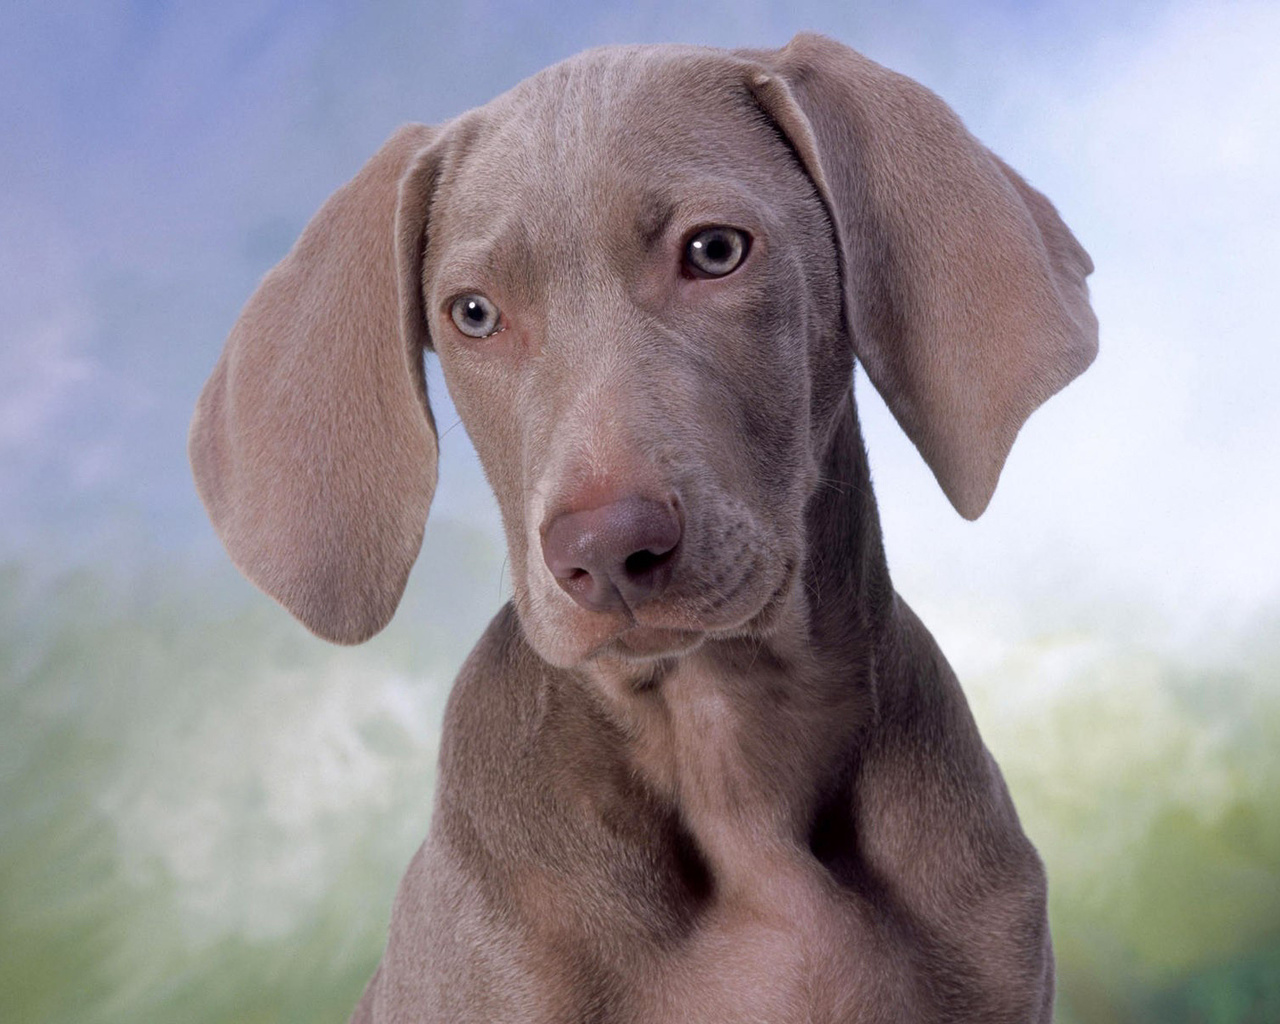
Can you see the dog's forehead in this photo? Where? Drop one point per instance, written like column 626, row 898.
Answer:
column 581, row 139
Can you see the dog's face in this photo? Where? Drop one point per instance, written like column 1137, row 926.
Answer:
column 657, row 320
column 647, row 272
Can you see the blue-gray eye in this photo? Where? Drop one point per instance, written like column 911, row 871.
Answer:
column 475, row 316
column 714, row 252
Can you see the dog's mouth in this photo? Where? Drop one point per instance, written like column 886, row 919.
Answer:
column 664, row 632
column 739, row 592
column 765, row 619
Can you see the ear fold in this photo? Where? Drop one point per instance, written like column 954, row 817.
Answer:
column 966, row 293
column 313, row 447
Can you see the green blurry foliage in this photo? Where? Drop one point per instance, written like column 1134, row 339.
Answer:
column 204, row 812
column 1152, row 789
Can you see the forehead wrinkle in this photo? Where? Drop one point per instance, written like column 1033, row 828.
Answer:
column 620, row 97
column 612, row 102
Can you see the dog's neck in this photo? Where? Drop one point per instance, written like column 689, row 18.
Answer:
column 745, row 736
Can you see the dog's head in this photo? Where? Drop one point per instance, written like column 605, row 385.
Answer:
column 646, row 272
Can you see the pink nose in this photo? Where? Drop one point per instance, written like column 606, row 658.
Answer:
column 619, row 554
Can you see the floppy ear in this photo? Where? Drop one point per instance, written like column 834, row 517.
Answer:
column 313, row 446
column 965, row 292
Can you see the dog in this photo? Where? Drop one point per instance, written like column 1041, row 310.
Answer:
column 706, row 766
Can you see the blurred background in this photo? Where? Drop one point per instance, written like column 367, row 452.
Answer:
column 204, row 811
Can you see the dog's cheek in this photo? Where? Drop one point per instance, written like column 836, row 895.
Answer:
column 829, row 348
column 777, row 407
column 486, row 394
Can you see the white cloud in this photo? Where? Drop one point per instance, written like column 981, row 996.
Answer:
column 296, row 772
column 40, row 377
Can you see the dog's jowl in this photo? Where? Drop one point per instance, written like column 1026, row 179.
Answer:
column 706, row 766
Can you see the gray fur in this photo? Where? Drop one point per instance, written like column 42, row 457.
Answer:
column 759, row 796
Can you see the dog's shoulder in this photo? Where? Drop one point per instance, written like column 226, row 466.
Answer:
column 526, row 750
column 494, row 710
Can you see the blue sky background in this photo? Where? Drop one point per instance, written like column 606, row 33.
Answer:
column 1115, row 615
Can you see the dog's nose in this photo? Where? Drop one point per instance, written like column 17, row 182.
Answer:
column 618, row 554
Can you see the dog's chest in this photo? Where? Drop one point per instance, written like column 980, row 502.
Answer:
column 741, row 756
column 793, row 952
column 736, row 755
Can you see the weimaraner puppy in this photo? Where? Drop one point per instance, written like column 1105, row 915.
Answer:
column 706, row 766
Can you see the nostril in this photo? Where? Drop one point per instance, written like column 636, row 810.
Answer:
column 646, row 561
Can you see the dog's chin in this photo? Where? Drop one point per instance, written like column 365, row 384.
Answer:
column 601, row 641
column 648, row 643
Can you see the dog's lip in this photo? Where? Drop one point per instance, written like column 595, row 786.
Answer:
column 762, row 613
column 640, row 640
column 662, row 628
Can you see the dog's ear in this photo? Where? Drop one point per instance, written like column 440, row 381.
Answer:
column 313, row 446
column 965, row 292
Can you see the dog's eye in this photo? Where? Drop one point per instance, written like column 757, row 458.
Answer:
column 714, row 252
column 475, row 316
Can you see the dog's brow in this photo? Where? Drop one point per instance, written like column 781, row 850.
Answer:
column 653, row 219
column 507, row 261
